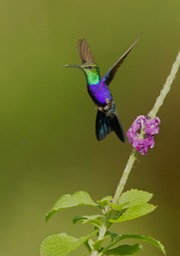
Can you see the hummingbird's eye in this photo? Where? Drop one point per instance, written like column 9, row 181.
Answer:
column 89, row 67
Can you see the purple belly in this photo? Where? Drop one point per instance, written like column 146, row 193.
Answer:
column 100, row 94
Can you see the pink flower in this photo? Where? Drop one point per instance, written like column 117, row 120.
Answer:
column 142, row 131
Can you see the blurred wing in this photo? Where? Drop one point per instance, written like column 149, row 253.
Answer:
column 85, row 52
column 112, row 71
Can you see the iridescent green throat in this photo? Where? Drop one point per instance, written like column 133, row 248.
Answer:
column 92, row 75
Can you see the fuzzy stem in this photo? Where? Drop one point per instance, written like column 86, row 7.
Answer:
column 133, row 155
column 152, row 114
column 125, row 175
column 102, row 233
column 166, row 88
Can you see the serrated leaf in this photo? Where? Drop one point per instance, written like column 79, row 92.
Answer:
column 124, row 249
column 134, row 212
column 134, row 197
column 67, row 201
column 152, row 241
column 61, row 244
column 148, row 239
column 94, row 219
column 131, row 198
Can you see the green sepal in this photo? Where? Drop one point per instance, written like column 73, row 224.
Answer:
column 67, row 201
column 124, row 249
column 61, row 244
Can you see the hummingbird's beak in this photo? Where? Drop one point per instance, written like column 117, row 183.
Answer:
column 71, row 66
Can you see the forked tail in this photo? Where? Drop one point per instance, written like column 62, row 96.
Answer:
column 107, row 123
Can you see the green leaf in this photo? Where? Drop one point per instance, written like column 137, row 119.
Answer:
column 134, row 212
column 153, row 242
column 61, row 244
column 131, row 198
column 94, row 219
column 67, row 201
column 148, row 239
column 104, row 201
column 97, row 245
column 135, row 197
column 124, row 249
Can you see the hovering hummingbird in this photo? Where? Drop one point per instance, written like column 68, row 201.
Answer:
column 106, row 118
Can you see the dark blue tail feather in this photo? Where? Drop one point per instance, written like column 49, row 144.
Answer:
column 105, row 124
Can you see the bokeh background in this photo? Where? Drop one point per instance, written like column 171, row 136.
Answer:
column 47, row 140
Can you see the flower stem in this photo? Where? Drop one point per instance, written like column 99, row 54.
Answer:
column 166, row 88
column 133, row 155
column 125, row 175
column 152, row 114
column 102, row 232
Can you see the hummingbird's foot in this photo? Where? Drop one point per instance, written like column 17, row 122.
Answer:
column 101, row 109
column 108, row 107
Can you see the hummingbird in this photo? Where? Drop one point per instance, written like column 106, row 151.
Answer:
column 107, row 119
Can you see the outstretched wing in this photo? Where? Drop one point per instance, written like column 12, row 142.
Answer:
column 85, row 52
column 112, row 71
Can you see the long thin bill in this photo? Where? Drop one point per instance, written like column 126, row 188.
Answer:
column 71, row 66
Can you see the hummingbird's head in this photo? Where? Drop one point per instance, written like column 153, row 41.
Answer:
column 91, row 72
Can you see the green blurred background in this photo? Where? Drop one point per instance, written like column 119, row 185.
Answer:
column 48, row 145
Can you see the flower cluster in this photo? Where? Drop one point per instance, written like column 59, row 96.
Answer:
column 142, row 131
